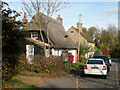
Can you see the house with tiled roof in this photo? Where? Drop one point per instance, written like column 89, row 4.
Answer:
column 73, row 32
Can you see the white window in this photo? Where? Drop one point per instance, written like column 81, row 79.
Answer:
column 72, row 31
column 56, row 52
column 47, row 53
column 30, row 52
column 34, row 35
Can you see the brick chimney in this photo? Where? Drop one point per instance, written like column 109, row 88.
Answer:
column 60, row 19
column 24, row 19
column 80, row 27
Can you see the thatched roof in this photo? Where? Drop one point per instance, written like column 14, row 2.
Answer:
column 56, row 32
column 85, row 35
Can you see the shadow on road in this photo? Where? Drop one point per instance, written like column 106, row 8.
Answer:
column 81, row 74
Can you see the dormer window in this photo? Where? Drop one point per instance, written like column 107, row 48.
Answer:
column 71, row 31
column 34, row 35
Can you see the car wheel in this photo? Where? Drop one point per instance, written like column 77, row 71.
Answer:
column 108, row 70
column 104, row 76
column 84, row 75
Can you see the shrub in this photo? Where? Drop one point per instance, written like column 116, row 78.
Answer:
column 12, row 41
column 74, row 66
column 78, row 66
column 41, row 65
column 98, row 52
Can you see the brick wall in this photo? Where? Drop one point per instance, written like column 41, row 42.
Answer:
column 74, row 36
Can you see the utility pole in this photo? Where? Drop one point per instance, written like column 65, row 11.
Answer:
column 79, row 36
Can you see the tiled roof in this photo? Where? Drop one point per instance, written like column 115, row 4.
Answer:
column 85, row 35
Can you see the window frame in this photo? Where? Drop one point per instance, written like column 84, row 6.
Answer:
column 33, row 33
column 72, row 31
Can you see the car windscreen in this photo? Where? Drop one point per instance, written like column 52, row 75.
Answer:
column 101, row 57
column 95, row 62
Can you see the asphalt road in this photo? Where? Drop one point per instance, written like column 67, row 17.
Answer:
column 112, row 80
column 76, row 80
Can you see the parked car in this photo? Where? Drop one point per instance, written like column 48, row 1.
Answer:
column 106, row 60
column 96, row 66
column 110, row 60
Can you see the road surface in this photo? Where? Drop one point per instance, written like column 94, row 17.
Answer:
column 76, row 80
column 112, row 80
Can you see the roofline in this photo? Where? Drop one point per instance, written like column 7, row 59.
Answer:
column 65, row 48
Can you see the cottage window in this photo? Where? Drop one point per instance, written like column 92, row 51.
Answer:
column 34, row 35
column 30, row 52
column 72, row 31
column 47, row 52
column 30, row 49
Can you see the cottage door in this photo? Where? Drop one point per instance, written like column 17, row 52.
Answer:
column 30, row 52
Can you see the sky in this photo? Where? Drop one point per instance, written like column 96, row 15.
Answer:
column 100, row 14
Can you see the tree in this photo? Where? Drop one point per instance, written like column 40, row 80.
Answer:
column 12, row 42
column 84, row 29
column 83, row 49
column 97, row 38
column 92, row 31
column 98, row 52
column 112, row 37
column 48, row 7
column 105, row 38
column 116, row 51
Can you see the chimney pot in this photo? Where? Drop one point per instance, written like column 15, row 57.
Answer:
column 59, row 15
column 24, row 14
column 60, row 19
column 24, row 19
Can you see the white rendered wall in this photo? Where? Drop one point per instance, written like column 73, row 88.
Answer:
column 56, row 52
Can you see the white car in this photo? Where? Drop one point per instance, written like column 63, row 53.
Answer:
column 96, row 66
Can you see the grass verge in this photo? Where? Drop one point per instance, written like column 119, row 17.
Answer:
column 12, row 84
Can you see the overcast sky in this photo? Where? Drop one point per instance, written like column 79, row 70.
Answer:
column 99, row 14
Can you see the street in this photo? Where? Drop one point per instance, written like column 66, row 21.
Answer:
column 91, row 81
column 76, row 80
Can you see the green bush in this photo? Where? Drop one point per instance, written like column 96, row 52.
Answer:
column 12, row 41
column 98, row 52
column 83, row 60
column 40, row 65
column 67, row 69
column 74, row 66
column 77, row 66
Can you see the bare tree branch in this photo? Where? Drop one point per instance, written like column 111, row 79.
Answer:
column 49, row 7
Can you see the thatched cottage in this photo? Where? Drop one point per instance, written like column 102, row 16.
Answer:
column 73, row 32
column 59, row 40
